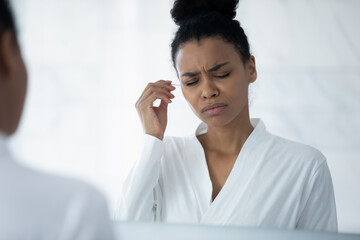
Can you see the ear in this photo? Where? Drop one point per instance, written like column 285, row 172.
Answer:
column 8, row 53
column 251, row 65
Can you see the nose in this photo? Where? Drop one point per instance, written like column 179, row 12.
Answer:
column 209, row 90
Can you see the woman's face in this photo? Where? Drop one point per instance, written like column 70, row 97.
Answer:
column 214, row 80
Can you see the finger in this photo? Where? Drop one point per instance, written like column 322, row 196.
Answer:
column 151, row 87
column 169, row 87
column 163, row 105
column 163, row 81
column 151, row 96
column 154, row 96
column 148, row 102
column 160, row 83
column 155, row 89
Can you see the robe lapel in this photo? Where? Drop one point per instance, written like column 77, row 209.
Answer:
column 226, row 202
column 198, row 173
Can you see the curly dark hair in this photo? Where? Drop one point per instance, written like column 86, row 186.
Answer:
column 198, row 19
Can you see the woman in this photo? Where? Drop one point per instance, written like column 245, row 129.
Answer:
column 231, row 171
column 33, row 204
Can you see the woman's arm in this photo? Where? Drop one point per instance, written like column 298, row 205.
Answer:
column 319, row 212
column 141, row 192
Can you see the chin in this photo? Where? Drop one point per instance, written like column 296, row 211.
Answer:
column 217, row 121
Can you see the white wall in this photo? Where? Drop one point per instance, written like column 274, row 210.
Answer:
column 88, row 61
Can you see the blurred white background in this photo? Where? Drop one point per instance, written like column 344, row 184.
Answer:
column 89, row 60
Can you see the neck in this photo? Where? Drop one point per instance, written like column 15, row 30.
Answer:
column 230, row 138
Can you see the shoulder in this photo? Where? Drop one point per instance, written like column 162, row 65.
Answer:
column 67, row 197
column 34, row 199
column 294, row 153
column 178, row 149
column 29, row 195
column 58, row 189
column 296, row 148
column 176, row 144
column 172, row 141
column 279, row 151
column 71, row 188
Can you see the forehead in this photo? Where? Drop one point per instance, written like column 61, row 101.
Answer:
column 205, row 53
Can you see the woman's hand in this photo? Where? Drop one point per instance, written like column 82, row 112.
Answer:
column 154, row 119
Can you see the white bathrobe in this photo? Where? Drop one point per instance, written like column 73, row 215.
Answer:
column 274, row 183
column 35, row 205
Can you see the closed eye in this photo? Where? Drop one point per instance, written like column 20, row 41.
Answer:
column 224, row 75
column 191, row 83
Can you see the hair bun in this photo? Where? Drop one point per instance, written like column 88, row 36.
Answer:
column 184, row 9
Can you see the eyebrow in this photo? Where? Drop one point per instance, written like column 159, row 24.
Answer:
column 217, row 67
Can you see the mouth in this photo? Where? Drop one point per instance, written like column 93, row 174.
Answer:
column 214, row 109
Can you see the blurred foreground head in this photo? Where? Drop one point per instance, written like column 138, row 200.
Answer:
column 13, row 76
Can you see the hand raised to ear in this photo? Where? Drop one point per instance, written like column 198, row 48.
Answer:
column 154, row 119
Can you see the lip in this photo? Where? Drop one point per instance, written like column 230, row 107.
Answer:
column 214, row 109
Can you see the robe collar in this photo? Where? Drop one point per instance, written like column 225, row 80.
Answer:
column 211, row 211
column 255, row 122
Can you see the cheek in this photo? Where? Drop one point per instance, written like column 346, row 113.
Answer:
column 191, row 98
column 188, row 97
column 238, row 89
